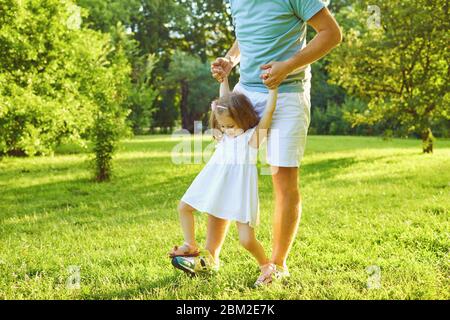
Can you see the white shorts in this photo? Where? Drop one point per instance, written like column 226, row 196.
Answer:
column 286, row 141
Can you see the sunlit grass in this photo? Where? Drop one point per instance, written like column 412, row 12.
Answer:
column 365, row 202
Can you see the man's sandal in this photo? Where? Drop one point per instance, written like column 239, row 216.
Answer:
column 281, row 273
column 271, row 273
column 186, row 250
column 265, row 277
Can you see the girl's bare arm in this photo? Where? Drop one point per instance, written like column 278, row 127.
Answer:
column 224, row 87
column 264, row 124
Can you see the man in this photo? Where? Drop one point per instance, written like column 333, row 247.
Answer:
column 272, row 51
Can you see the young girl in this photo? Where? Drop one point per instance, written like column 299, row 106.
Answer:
column 227, row 187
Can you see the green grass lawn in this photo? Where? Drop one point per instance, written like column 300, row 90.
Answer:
column 366, row 202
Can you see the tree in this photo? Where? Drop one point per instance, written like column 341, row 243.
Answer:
column 166, row 114
column 202, row 28
column 59, row 81
column 397, row 62
column 42, row 83
column 206, row 29
column 323, row 92
column 106, row 14
column 110, row 16
column 192, row 78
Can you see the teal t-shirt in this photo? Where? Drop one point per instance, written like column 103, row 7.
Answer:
column 271, row 31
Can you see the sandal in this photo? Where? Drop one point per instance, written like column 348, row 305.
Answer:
column 186, row 250
column 266, row 277
column 281, row 273
column 271, row 273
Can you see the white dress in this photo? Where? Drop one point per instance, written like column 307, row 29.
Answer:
column 227, row 187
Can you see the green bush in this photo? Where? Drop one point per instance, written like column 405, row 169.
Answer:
column 40, row 77
column 110, row 89
column 59, row 82
column 337, row 120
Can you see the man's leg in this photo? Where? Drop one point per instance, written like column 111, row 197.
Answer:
column 287, row 212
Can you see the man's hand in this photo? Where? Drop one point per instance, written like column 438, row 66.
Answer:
column 221, row 68
column 275, row 73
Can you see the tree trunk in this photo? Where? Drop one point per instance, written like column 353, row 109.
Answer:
column 185, row 117
column 427, row 141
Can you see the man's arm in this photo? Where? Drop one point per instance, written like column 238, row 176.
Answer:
column 328, row 36
column 222, row 67
column 234, row 54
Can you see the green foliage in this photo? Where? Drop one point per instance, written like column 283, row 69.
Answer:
column 323, row 92
column 152, row 25
column 201, row 28
column 193, row 80
column 44, row 76
column 142, row 96
column 110, row 90
column 333, row 120
column 166, row 114
column 206, row 28
column 59, row 82
column 106, row 14
column 329, row 121
column 400, row 68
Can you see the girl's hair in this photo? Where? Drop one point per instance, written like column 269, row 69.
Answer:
column 238, row 107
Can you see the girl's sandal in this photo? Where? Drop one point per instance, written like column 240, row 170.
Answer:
column 186, row 250
column 267, row 272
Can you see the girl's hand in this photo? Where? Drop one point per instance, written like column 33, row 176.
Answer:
column 276, row 72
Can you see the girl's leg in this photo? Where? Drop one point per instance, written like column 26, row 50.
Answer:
column 248, row 241
column 217, row 230
column 186, row 213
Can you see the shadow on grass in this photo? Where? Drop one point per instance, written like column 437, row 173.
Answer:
column 325, row 169
column 330, row 168
column 132, row 187
column 132, row 190
column 138, row 144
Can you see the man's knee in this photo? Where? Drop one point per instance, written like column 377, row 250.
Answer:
column 285, row 182
column 285, row 173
